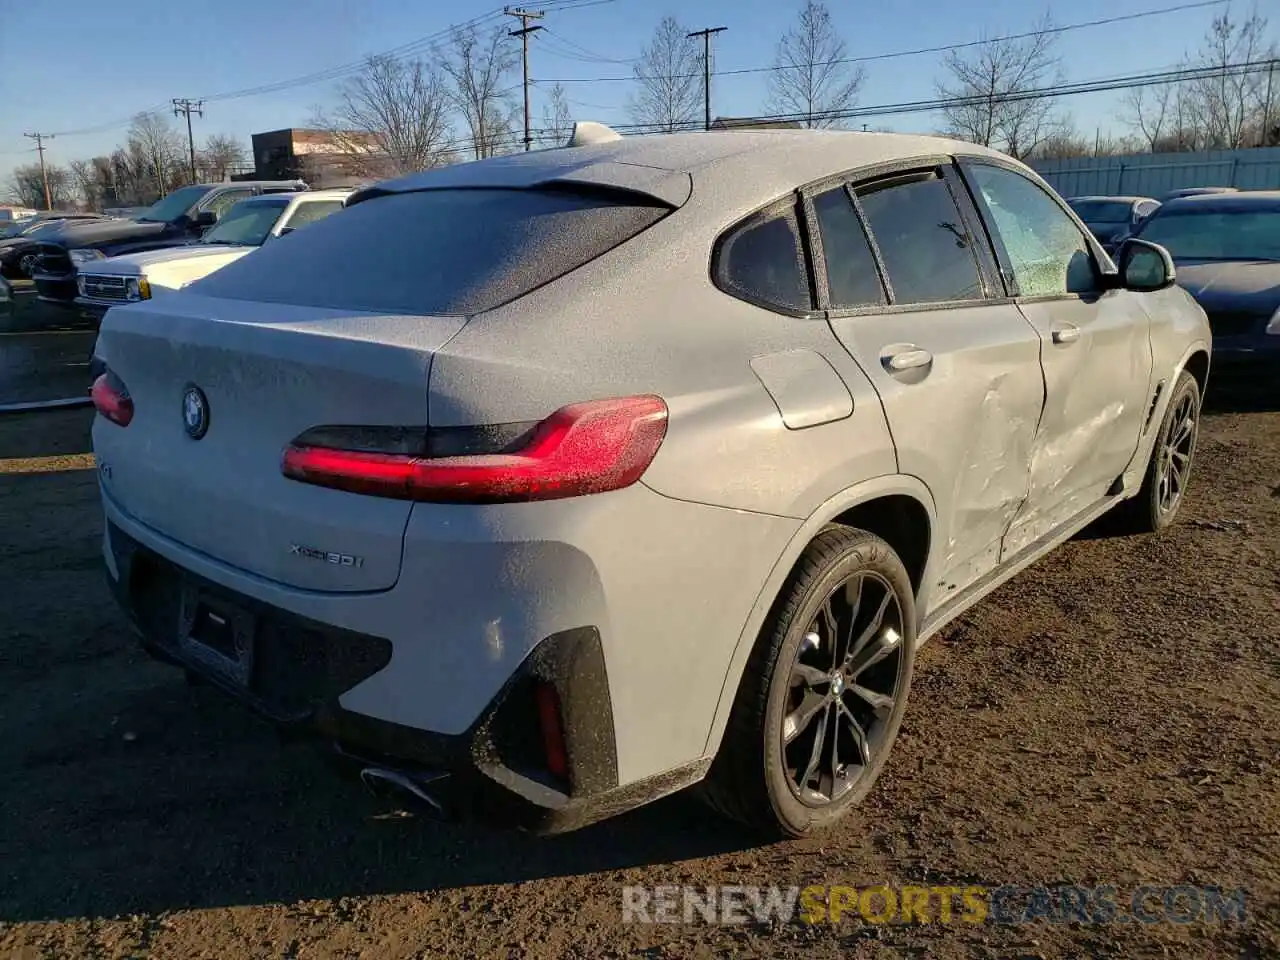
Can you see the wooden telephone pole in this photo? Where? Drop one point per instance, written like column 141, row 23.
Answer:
column 706, row 68
column 40, row 138
column 523, row 33
column 188, row 107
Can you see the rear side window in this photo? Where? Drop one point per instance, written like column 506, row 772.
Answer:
column 436, row 251
column 852, row 280
column 763, row 261
column 927, row 251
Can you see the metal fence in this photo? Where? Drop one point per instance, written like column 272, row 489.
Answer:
column 1154, row 174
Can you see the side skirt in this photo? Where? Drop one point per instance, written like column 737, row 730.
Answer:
column 939, row 618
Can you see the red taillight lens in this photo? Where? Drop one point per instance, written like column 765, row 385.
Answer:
column 112, row 399
column 551, row 726
column 584, row 448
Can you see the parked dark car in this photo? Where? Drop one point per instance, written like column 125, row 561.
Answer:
column 1112, row 219
column 19, row 241
column 1196, row 192
column 179, row 218
column 1226, row 247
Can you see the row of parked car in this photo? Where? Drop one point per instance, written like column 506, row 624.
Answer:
column 98, row 262
column 1225, row 244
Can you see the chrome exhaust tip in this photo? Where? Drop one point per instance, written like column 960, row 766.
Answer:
column 382, row 781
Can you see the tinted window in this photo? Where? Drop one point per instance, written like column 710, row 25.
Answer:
column 1209, row 234
column 225, row 201
column 1103, row 211
column 927, row 252
column 765, row 261
column 435, row 251
column 851, row 269
column 174, row 205
column 1046, row 250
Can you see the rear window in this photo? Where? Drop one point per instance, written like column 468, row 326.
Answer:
column 1102, row 211
column 436, row 251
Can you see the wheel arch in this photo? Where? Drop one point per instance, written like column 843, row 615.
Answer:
column 898, row 508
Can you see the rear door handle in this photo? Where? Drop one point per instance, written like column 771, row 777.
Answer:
column 908, row 358
column 1065, row 333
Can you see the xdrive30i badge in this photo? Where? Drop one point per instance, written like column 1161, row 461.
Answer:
column 326, row 556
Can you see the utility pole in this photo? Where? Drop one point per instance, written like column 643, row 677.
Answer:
column 706, row 68
column 188, row 107
column 40, row 138
column 523, row 33
column 1266, row 109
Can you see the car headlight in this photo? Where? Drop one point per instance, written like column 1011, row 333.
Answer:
column 137, row 288
column 83, row 256
column 1273, row 325
column 80, row 286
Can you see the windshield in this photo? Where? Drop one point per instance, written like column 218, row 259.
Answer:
column 174, row 205
column 247, row 223
column 436, row 251
column 1217, row 234
column 14, row 229
column 1102, row 211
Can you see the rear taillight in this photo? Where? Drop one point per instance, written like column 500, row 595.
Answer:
column 111, row 398
column 584, row 448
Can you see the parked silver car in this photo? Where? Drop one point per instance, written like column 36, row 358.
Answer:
column 550, row 484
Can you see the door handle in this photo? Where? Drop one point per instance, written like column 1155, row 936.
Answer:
column 1065, row 333
column 909, row 358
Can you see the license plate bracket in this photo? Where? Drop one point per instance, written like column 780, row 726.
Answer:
column 217, row 635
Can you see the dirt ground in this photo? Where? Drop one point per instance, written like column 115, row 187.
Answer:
column 1110, row 717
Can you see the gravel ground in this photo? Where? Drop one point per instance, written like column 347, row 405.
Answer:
column 1110, row 717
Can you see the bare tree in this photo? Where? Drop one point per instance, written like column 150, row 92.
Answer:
column 161, row 145
column 992, row 86
column 669, row 76
column 219, row 155
column 84, row 178
column 391, row 118
column 1150, row 111
column 809, row 80
column 557, row 118
column 1228, row 105
column 479, row 66
column 26, row 186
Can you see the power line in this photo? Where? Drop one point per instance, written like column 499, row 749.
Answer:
column 945, row 48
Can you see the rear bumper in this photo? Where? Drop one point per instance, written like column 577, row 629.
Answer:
column 629, row 604
column 492, row 772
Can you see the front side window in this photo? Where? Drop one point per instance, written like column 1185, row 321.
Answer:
column 224, row 201
column 763, row 260
column 309, row 211
column 852, row 280
column 927, row 251
column 1047, row 253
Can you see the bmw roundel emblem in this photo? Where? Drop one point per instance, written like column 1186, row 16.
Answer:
column 195, row 412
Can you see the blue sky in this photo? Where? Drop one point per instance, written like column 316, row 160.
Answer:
column 102, row 66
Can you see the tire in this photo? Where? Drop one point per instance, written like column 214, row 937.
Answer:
column 1151, row 509
column 763, row 782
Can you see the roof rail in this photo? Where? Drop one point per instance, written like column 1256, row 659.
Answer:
column 588, row 131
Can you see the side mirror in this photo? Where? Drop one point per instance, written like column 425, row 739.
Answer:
column 205, row 219
column 285, row 231
column 1145, row 266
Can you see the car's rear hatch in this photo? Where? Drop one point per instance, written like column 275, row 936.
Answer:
column 268, row 372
